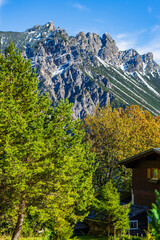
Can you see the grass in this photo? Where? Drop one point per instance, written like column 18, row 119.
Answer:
column 20, row 238
column 86, row 237
column 40, row 238
column 91, row 237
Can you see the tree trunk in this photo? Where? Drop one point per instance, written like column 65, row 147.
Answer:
column 19, row 223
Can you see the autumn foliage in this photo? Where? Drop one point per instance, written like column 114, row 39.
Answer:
column 116, row 134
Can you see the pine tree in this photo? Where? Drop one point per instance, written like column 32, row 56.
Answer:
column 109, row 209
column 44, row 165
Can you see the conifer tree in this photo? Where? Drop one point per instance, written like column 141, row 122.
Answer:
column 44, row 165
column 109, row 209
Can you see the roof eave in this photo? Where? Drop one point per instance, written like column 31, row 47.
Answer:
column 139, row 155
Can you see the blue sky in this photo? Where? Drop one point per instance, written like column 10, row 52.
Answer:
column 132, row 23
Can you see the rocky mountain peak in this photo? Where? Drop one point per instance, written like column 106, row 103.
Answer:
column 50, row 26
column 147, row 57
column 109, row 50
column 88, row 69
column 108, row 40
column 81, row 36
column 34, row 28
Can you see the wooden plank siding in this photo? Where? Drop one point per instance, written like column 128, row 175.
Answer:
column 143, row 187
column 142, row 224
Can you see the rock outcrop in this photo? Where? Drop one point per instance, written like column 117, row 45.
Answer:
column 88, row 69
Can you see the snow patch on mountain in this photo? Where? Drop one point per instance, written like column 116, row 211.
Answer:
column 88, row 69
column 152, row 89
column 103, row 62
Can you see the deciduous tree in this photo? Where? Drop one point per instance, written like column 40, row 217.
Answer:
column 116, row 134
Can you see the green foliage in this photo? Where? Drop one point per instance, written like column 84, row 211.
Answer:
column 149, row 235
column 47, row 234
column 128, row 238
column 45, row 167
column 109, row 209
column 154, row 215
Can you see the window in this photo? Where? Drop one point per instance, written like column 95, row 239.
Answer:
column 153, row 173
column 133, row 224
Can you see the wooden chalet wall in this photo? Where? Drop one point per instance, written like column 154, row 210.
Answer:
column 142, row 224
column 143, row 188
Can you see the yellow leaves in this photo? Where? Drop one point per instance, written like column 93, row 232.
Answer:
column 125, row 132
column 117, row 134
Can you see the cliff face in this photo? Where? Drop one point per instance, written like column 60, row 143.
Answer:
column 88, row 69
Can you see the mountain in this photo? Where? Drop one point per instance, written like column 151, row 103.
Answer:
column 88, row 69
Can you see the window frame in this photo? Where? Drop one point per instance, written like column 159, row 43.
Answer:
column 133, row 221
column 150, row 174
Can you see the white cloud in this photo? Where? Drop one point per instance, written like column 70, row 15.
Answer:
column 80, row 7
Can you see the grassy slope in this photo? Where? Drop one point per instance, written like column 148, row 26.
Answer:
column 129, row 89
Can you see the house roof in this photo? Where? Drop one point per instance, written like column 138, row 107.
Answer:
column 128, row 161
column 136, row 210
column 80, row 226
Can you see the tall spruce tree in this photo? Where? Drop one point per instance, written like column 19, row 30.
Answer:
column 44, row 164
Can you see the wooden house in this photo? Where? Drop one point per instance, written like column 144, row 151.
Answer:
column 145, row 179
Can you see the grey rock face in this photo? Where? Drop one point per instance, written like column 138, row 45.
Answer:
column 80, row 68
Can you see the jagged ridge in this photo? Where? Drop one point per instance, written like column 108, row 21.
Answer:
column 88, row 69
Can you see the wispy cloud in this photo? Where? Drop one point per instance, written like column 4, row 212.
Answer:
column 99, row 20
column 128, row 40
column 132, row 40
column 122, row 36
column 155, row 28
column 153, row 43
column 126, row 44
column 152, row 46
column 149, row 9
column 2, row 2
column 136, row 41
column 80, row 7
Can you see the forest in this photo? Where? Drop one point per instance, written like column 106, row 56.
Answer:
column 55, row 169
